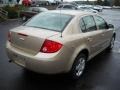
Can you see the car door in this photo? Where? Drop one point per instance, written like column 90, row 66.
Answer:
column 106, row 33
column 91, row 34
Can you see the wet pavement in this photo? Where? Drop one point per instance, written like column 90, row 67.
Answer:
column 102, row 72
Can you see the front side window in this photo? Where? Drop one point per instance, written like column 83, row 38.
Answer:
column 89, row 23
column 50, row 21
column 100, row 22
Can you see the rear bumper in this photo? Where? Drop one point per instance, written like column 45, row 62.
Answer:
column 41, row 62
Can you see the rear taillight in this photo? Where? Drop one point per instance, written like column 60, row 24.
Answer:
column 50, row 46
column 9, row 36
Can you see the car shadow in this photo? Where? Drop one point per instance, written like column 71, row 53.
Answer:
column 35, row 81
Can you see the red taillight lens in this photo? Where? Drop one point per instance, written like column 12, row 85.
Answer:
column 9, row 36
column 50, row 46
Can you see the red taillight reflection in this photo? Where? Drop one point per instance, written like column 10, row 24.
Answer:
column 9, row 36
column 50, row 46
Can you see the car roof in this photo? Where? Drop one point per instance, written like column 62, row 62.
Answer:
column 37, row 7
column 65, row 4
column 72, row 12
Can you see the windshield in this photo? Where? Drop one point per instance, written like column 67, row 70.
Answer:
column 51, row 21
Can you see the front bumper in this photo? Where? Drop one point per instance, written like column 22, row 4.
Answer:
column 41, row 62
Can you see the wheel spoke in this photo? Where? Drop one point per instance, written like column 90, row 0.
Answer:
column 112, row 42
column 80, row 67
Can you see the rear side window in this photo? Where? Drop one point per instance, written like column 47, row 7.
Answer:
column 82, row 25
column 89, row 23
column 100, row 22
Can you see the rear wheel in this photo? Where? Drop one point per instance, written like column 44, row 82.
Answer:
column 78, row 66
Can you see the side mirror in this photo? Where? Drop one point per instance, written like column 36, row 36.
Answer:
column 110, row 26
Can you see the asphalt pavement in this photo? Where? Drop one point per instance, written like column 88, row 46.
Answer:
column 102, row 72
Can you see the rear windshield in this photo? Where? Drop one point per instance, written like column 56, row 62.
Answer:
column 51, row 21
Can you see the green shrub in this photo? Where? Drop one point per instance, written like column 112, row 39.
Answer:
column 12, row 11
column 20, row 7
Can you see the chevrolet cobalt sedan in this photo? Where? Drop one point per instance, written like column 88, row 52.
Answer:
column 59, row 41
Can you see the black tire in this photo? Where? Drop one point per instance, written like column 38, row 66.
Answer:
column 74, row 73
column 110, row 47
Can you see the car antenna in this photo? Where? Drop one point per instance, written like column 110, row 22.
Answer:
column 60, row 21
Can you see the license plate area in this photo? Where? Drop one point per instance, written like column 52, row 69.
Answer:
column 19, row 60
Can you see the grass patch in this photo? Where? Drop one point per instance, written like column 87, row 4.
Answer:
column 13, row 12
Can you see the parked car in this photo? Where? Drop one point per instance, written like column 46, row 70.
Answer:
column 66, row 7
column 107, row 7
column 114, row 7
column 69, row 3
column 59, row 42
column 98, row 8
column 49, row 2
column 83, row 8
column 84, row 5
column 31, row 11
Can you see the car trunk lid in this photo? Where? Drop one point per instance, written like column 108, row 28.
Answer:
column 30, row 39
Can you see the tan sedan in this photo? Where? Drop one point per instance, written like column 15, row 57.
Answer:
column 59, row 41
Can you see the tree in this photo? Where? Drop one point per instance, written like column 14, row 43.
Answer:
column 10, row 0
column 99, row 2
column 88, row 2
column 106, row 3
column 116, row 2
